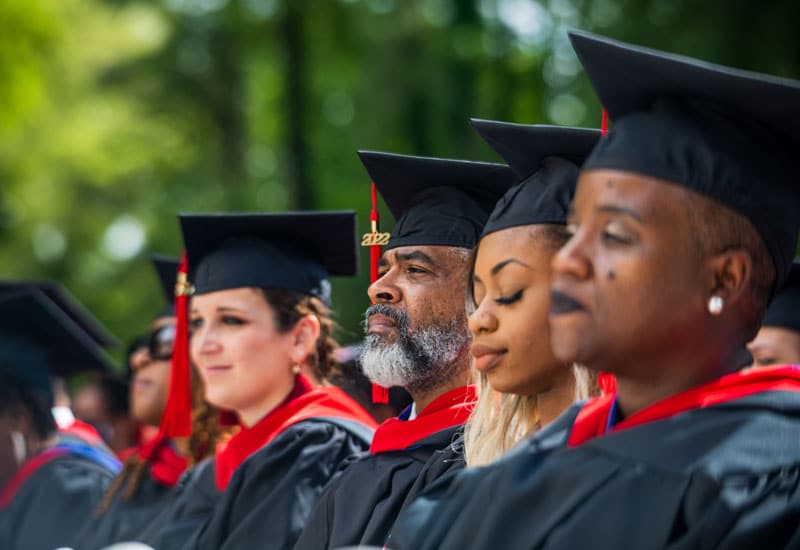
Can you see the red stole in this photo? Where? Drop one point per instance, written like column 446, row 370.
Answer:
column 27, row 470
column 592, row 419
column 166, row 465
column 84, row 432
column 303, row 403
column 448, row 410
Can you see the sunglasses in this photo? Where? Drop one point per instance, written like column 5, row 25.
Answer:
column 161, row 343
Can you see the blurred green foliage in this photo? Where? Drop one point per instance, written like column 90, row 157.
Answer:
column 116, row 114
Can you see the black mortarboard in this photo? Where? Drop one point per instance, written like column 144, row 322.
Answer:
column 292, row 250
column 784, row 310
column 167, row 270
column 69, row 305
column 38, row 340
column 547, row 158
column 728, row 134
column 437, row 201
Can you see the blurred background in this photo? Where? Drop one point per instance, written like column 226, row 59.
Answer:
column 116, row 114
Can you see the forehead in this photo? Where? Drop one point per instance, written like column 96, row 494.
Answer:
column 652, row 199
column 441, row 256
column 528, row 243
column 241, row 298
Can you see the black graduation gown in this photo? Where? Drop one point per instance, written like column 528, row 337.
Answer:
column 361, row 504
column 125, row 519
column 269, row 496
column 188, row 506
column 726, row 476
column 58, row 497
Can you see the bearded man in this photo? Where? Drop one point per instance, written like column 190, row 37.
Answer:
column 416, row 338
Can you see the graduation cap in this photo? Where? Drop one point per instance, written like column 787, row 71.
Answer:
column 547, row 159
column 39, row 339
column 166, row 268
column 437, row 201
column 292, row 251
column 784, row 310
column 69, row 305
column 728, row 134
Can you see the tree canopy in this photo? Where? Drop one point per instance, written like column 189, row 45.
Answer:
column 117, row 114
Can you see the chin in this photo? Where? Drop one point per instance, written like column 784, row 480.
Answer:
column 219, row 399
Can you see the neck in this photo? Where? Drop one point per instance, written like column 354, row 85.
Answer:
column 424, row 398
column 250, row 416
column 553, row 402
column 635, row 393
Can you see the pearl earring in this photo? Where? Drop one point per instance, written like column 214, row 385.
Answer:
column 715, row 305
column 296, row 369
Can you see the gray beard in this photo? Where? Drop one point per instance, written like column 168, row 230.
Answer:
column 418, row 361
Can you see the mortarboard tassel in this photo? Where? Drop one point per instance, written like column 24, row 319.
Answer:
column 374, row 239
column 177, row 418
column 605, row 380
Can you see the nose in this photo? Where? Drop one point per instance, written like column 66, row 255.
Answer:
column 482, row 321
column 384, row 290
column 572, row 260
column 204, row 341
column 139, row 359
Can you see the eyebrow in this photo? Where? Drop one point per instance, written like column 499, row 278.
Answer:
column 416, row 255
column 610, row 208
column 497, row 268
column 221, row 309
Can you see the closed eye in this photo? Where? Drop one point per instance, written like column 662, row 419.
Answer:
column 507, row 300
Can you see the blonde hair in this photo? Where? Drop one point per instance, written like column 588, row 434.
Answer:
column 501, row 420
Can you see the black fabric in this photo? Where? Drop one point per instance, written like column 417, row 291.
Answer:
column 125, row 520
column 269, row 497
column 435, row 201
column 727, row 134
column 291, row 251
column 722, row 477
column 362, row 503
column 38, row 339
column 53, row 503
column 547, row 159
column 190, row 503
column 166, row 268
column 69, row 305
column 272, row 492
column 784, row 310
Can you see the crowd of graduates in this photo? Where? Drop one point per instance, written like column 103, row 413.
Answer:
column 590, row 345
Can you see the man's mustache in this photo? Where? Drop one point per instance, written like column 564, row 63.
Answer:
column 399, row 318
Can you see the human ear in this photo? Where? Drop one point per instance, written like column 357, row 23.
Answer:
column 304, row 337
column 730, row 273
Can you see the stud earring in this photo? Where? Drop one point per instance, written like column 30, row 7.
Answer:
column 715, row 305
column 296, row 369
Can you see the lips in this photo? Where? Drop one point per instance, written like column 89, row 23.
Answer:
column 486, row 357
column 140, row 384
column 561, row 303
column 379, row 323
column 217, row 369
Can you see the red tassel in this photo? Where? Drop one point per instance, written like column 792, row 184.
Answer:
column 604, row 124
column 607, row 383
column 379, row 393
column 177, row 419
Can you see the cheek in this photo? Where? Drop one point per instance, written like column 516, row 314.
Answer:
column 530, row 330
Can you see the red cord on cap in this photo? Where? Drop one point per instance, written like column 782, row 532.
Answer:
column 379, row 393
column 606, row 380
column 177, row 418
